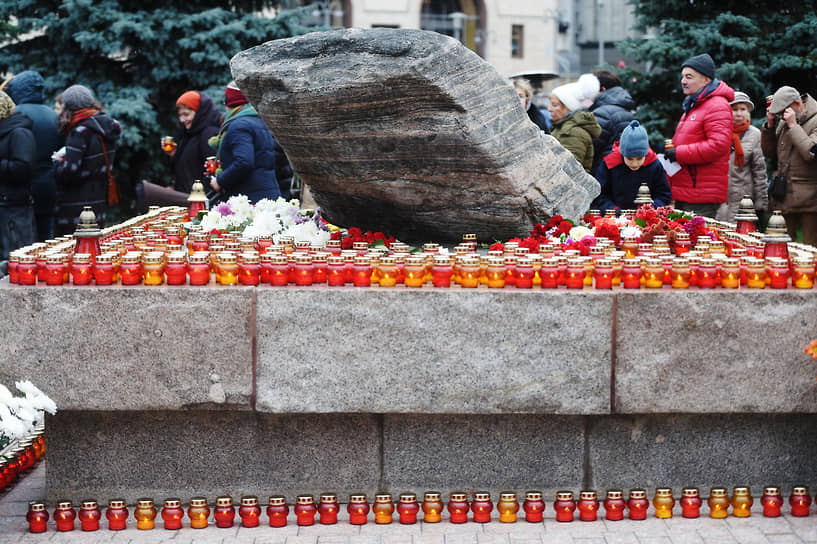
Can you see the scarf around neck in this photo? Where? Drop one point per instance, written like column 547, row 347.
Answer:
column 737, row 132
column 691, row 101
column 81, row 115
column 244, row 110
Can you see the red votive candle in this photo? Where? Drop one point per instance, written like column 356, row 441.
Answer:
column 37, row 517
column 277, row 511
column 336, row 271
column 64, row 515
column 638, row 504
column 458, row 508
column 771, row 501
column 534, row 506
column 778, row 273
column 358, row 509
column 575, row 274
column 305, row 510
column 564, row 506
column 524, row 273
column 250, row 512
column 82, row 271
column 631, row 274
column 117, row 515
column 130, row 271
column 362, row 271
column 614, row 505
column 328, row 509
column 603, row 274
column 249, row 268
column 198, row 268
column 442, row 271
column 55, row 269
column 549, row 273
column 800, row 501
column 481, row 507
column 26, row 269
column 279, row 270
column 691, row 502
column 89, row 516
column 588, row 506
column 176, row 268
column 225, row 512
column 707, row 274
column 320, row 267
column 172, row 514
column 304, row 270
column 408, row 508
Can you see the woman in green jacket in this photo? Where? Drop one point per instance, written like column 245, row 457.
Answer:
column 573, row 126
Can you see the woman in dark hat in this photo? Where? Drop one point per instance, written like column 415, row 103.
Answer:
column 198, row 115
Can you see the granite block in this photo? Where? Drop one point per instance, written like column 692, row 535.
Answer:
column 677, row 450
column 123, row 348
column 433, row 351
column 209, row 453
column 713, row 352
column 491, row 453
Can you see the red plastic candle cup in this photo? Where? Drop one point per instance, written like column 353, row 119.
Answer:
column 82, row 271
column 777, row 271
column 249, row 268
column 172, row 514
column 362, row 272
column 250, row 512
column 305, row 510
column 575, row 274
column 117, row 515
column 336, row 271
column 771, row 501
column 707, row 274
column 89, row 516
column 37, row 517
column 638, row 504
column 564, row 506
column 198, row 268
column 11, row 268
column 130, row 271
column 328, row 509
column 603, row 274
column 176, row 268
column 458, row 508
column 277, row 511
column 279, row 270
column 481, row 507
column 383, row 509
column 432, row 507
column 358, row 509
column 549, row 273
column 304, row 270
column 534, row 506
column 407, row 508
column 800, row 501
column 691, row 502
column 320, row 268
column 588, row 505
column 442, row 271
column 195, row 208
column 614, row 505
column 225, row 512
column 27, row 269
column 103, row 269
column 55, row 269
column 524, row 273
column 631, row 274
column 65, row 515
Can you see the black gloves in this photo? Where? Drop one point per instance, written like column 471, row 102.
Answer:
column 670, row 154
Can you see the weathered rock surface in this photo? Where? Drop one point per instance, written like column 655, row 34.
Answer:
column 409, row 132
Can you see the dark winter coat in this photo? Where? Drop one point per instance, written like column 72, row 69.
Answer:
column 188, row 161
column 703, row 141
column 82, row 178
column 613, row 110
column 619, row 184
column 248, row 159
column 538, row 118
column 26, row 90
column 575, row 131
column 17, row 151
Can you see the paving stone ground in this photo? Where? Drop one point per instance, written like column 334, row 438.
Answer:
column 677, row 530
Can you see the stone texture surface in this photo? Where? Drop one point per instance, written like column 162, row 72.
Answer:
column 129, row 349
column 433, row 351
column 411, row 133
column 702, row 450
column 209, row 453
column 482, row 453
column 700, row 351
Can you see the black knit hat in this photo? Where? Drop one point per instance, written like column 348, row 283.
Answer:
column 702, row 64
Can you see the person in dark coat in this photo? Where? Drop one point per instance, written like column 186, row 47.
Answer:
column 622, row 172
column 613, row 108
column 245, row 148
column 525, row 93
column 26, row 90
column 17, row 150
column 82, row 170
column 201, row 120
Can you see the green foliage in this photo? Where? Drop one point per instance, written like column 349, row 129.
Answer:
column 757, row 45
column 138, row 57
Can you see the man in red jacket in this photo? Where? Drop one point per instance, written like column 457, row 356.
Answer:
column 702, row 140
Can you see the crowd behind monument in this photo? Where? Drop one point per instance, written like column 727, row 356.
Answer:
column 53, row 162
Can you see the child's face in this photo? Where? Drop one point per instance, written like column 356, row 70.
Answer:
column 634, row 163
column 740, row 113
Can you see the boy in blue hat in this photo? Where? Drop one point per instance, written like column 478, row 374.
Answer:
column 630, row 164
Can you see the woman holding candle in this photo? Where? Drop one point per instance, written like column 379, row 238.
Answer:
column 200, row 120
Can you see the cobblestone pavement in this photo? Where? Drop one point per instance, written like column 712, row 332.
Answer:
column 677, row 530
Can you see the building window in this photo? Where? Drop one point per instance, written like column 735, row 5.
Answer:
column 517, row 41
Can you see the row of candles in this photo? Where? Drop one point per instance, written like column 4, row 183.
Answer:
column 156, row 252
column 22, row 458
column 408, row 508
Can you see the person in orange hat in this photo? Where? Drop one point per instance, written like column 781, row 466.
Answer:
column 201, row 120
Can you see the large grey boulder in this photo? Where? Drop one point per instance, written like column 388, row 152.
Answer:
column 410, row 133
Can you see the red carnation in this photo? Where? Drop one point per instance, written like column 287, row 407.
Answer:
column 497, row 246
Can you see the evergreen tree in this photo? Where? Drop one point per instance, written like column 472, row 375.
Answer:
column 138, row 57
column 757, row 46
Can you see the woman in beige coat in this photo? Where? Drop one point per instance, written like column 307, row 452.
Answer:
column 747, row 167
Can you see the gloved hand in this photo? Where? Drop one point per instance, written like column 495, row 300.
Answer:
column 670, row 154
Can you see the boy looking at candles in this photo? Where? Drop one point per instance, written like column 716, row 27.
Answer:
column 630, row 164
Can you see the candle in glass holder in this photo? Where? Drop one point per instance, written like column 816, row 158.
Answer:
column 549, row 273
column 638, row 504
column 614, row 505
column 227, row 268
column 718, row 503
column 55, row 269
column 362, row 271
column 603, row 274
column 680, row 273
column 574, row 278
column 524, row 272
column 534, row 506
column 629, row 245
column 176, row 268
column 682, row 243
column 432, row 507
column 328, row 508
column 800, row 501
column 130, row 271
column 469, row 271
column 250, row 512
column 564, row 506
column 803, row 275
column 335, row 271
column 198, row 268
column 383, row 509
column 11, row 267
column 507, row 507
column 588, row 505
column 742, row 502
column 407, row 508
column 249, row 268
column 496, row 272
column 144, row 513
column 691, row 502
column 358, row 509
column 442, row 271
column 414, row 271
column 81, row 269
column 305, row 510
column 663, row 501
column 277, row 511
column 89, row 516
column 37, row 517
column 777, row 272
column 198, row 512
column 481, row 507
column 153, row 268
column 458, row 508
column 730, row 273
column 304, row 269
column 225, row 512
column 755, row 273
column 653, row 273
column 172, row 514
column 631, row 273
column 771, row 501
column 117, row 515
column 65, row 515
column 707, row 273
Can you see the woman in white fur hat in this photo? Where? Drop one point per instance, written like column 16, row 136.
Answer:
column 573, row 126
